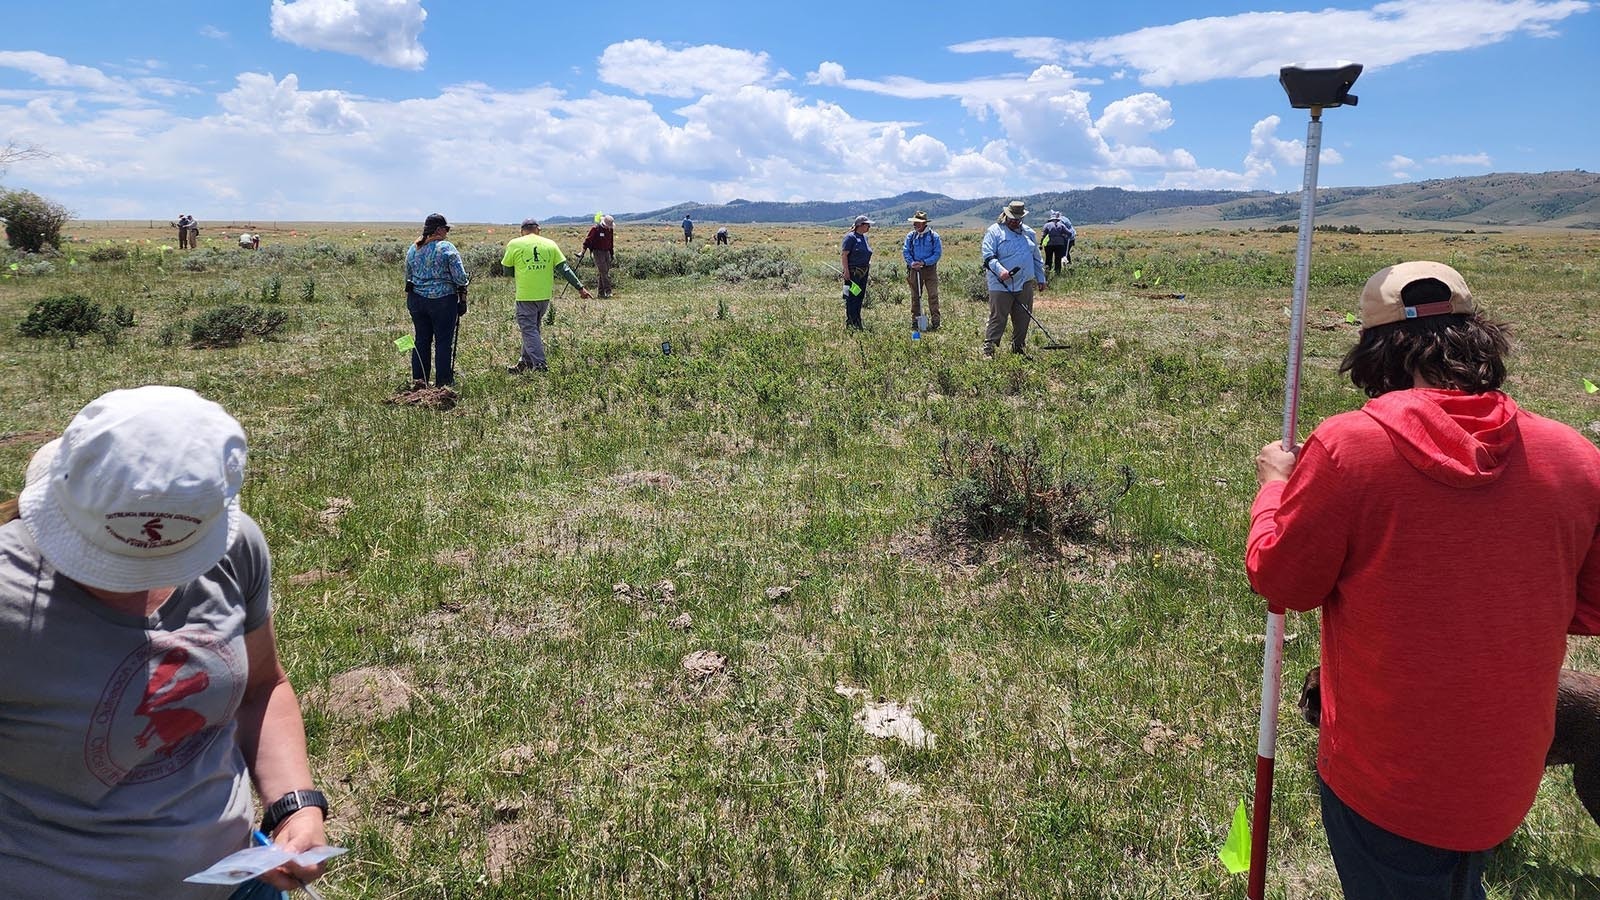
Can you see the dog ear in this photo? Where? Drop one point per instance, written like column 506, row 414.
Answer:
column 1311, row 696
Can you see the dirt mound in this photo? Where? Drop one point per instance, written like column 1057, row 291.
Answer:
column 419, row 394
column 369, row 694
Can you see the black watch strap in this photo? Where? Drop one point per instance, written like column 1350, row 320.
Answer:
column 290, row 803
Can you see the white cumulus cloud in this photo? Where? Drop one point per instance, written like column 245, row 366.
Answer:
column 1132, row 119
column 651, row 67
column 1469, row 160
column 1400, row 167
column 385, row 32
column 1255, row 44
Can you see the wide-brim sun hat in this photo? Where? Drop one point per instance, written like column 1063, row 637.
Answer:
column 1382, row 303
column 919, row 217
column 141, row 491
column 1016, row 210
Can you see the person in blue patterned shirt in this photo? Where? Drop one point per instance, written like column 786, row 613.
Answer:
column 434, row 279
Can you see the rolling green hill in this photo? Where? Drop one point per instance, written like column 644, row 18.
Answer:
column 1568, row 199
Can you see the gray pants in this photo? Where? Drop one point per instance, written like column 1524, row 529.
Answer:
column 530, row 318
column 1018, row 307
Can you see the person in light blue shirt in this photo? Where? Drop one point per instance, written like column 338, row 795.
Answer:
column 1013, row 265
column 921, row 250
column 434, row 279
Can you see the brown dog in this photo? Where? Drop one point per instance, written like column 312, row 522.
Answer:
column 1577, row 739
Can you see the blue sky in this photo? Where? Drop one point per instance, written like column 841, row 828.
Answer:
column 389, row 109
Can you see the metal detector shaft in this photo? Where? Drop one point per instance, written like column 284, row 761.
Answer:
column 1272, row 657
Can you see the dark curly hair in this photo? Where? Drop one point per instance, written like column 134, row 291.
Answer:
column 1460, row 350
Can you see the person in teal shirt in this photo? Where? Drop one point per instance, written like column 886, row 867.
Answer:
column 434, row 278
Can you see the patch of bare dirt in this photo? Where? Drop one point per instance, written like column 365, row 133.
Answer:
column 1160, row 737
column 702, row 664
column 337, row 509
column 369, row 694
column 312, row 576
column 440, row 398
column 682, row 622
column 890, row 719
column 457, row 559
column 16, row 438
column 665, row 482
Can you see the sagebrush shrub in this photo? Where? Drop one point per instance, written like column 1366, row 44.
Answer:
column 66, row 314
column 228, row 326
column 997, row 488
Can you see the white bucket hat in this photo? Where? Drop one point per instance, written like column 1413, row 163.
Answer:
column 141, row 490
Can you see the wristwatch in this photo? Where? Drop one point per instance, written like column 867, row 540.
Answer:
column 290, row 803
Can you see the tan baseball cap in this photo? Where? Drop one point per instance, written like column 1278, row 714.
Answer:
column 1381, row 302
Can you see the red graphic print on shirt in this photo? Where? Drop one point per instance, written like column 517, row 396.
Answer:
column 165, row 703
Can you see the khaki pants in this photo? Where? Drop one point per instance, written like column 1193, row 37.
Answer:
column 924, row 281
column 602, row 262
column 1014, row 305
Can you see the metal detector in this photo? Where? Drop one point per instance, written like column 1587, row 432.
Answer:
column 1316, row 90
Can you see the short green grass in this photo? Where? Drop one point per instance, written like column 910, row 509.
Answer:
column 507, row 563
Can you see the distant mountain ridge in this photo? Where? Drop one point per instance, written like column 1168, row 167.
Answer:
column 1567, row 199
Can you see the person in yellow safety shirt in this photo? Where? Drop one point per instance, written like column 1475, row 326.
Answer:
column 536, row 260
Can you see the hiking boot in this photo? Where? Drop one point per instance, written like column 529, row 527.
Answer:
column 934, row 325
column 988, row 351
column 418, row 384
column 522, row 366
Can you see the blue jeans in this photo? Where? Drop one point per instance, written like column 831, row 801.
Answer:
column 1375, row 864
column 434, row 323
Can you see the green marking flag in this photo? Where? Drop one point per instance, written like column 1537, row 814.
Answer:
column 15, row 267
column 165, row 248
column 1589, row 386
column 405, row 343
column 1235, row 852
column 1350, row 318
column 598, row 216
column 855, row 289
column 1157, row 282
column 1137, row 274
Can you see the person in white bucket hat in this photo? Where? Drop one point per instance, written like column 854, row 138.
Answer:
column 141, row 693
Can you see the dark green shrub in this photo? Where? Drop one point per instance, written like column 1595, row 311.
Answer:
column 67, row 314
column 228, row 326
column 995, row 488
column 272, row 289
column 32, row 222
column 483, row 260
column 308, row 291
column 108, row 253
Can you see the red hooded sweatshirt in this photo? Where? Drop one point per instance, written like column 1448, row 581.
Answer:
column 1452, row 542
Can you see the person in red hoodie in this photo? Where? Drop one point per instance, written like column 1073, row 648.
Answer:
column 1452, row 542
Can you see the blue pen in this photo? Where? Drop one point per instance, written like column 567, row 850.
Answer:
column 265, row 841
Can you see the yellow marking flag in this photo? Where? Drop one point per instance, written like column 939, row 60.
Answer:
column 1235, row 852
column 1589, row 386
column 405, row 343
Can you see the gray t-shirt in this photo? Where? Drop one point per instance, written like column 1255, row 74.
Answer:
column 120, row 768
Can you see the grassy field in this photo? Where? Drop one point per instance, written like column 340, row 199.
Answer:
column 488, row 610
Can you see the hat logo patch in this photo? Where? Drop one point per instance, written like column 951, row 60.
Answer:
column 151, row 530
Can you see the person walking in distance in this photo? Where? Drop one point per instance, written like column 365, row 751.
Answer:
column 1059, row 236
column 1013, row 266
column 599, row 244
column 855, row 258
column 434, row 276
column 1451, row 541
column 536, row 260
column 183, row 231
column 688, row 229
column 921, row 250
